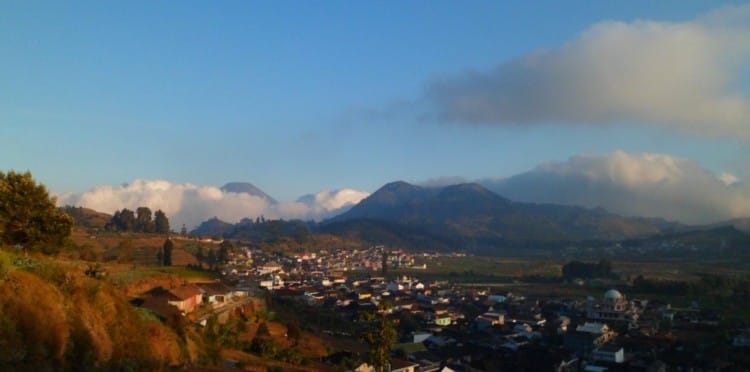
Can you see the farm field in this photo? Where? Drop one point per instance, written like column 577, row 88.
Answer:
column 511, row 268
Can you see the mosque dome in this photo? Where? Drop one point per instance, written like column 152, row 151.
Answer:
column 613, row 295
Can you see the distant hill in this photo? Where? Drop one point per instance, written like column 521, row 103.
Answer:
column 742, row 224
column 470, row 216
column 259, row 230
column 391, row 234
column 87, row 218
column 247, row 188
column 213, row 227
column 715, row 242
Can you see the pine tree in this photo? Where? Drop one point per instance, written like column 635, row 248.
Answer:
column 127, row 220
column 200, row 256
column 161, row 222
column 143, row 220
column 381, row 339
column 211, row 258
column 167, row 252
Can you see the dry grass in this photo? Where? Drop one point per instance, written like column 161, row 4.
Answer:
column 52, row 316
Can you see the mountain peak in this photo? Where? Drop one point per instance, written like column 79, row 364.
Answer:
column 396, row 186
column 395, row 193
column 247, row 188
column 476, row 191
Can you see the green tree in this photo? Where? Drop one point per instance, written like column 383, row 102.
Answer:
column 263, row 344
column 167, row 252
column 28, row 215
column 127, row 220
column 143, row 220
column 211, row 258
column 381, row 339
column 224, row 248
column 114, row 223
column 161, row 222
column 200, row 255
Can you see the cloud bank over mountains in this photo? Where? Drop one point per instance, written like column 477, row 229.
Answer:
column 684, row 76
column 633, row 184
column 191, row 204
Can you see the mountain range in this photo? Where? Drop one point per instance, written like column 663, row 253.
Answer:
column 626, row 184
column 464, row 216
column 470, row 216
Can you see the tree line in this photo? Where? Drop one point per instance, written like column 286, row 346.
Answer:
column 212, row 256
column 584, row 270
column 141, row 221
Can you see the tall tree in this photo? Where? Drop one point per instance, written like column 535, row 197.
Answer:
column 28, row 215
column 381, row 339
column 143, row 220
column 200, row 255
column 161, row 222
column 127, row 220
column 211, row 258
column 224, row 248
column 115, row 222
column 167, row 249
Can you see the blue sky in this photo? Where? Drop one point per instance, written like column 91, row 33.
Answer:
column 303, row 96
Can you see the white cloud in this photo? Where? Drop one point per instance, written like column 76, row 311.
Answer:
column 330, row 203
column 191, row 204
column 679, row 75
column 635, row 184
column 728, row 179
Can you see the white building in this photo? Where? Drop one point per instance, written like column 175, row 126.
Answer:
column 609, row 353
column 613, row 308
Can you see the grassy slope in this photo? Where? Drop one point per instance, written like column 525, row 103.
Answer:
column 52, row 316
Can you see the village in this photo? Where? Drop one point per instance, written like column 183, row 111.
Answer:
column 443, row 326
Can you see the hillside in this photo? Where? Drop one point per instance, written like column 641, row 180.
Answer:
column 213, row 227
column 126, row 247
column 54, row 317
column 86, row 217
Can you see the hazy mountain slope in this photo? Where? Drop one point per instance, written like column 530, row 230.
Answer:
column 632, row 184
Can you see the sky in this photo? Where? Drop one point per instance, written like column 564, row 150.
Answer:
column 300, row 97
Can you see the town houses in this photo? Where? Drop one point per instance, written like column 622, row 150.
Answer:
column 462, row 327
column 473, row 328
